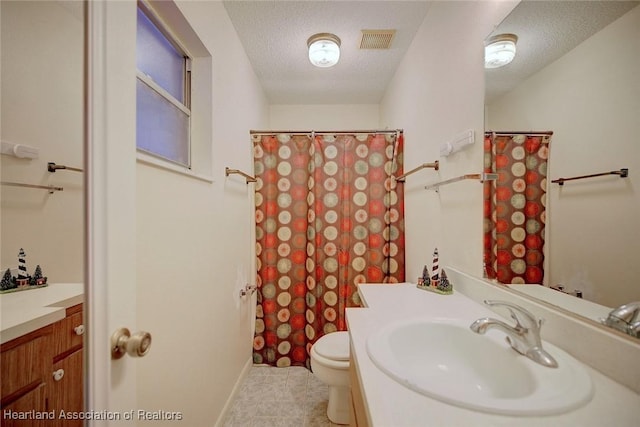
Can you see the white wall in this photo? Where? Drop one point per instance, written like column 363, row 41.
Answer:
column 324, row 117
column 42, row 54
column 590, row 99
column 195, row 246
column 436, row 93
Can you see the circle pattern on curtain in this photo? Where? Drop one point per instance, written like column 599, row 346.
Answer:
column 515, row 207
column 329, row 215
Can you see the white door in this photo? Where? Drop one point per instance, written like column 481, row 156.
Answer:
column 110, row 182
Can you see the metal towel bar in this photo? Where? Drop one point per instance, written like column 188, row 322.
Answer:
column 249, row 178
column 435, row 165
column 51, row 188
column 52, row 167
column 480, row 176
column 624, row 172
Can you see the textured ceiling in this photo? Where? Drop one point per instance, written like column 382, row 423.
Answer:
column 547, row 30
column 274, row 34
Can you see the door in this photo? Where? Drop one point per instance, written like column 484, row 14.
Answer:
column 110, row 275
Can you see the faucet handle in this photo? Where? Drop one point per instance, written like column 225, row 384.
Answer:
column 625, row 318
column 626, row 312
column 523, row 317
column 634, row 329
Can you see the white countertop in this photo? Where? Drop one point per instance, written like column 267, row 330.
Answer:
column 390, row 404
column 25, row 311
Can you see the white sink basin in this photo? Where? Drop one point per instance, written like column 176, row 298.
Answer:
column 445, row 360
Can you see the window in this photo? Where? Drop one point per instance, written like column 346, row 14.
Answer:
column 163, row 93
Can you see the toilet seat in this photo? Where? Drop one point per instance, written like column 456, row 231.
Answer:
column 334, row 346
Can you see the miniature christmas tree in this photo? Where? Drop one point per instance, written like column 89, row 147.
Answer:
column 444, row 285
column 425, row 275
column 37, row 278
column 6, row 282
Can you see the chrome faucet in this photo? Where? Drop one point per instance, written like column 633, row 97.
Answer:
column 524, row 337
column 625, row 318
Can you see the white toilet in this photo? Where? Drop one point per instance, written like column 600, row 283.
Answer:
column 330, row 363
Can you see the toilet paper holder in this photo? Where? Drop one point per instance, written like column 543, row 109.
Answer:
column 248, row 290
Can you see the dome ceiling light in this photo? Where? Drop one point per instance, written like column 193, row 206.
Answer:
column 324, row 49
column 500, row 50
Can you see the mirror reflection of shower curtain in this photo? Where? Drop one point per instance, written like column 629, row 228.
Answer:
column 515, row 206
column 329, row 215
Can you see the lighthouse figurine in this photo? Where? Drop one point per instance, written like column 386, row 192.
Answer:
column 23, row 281
column 435, row 269
column 436, row 280
column 23, row 277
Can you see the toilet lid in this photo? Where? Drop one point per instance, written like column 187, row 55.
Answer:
column 334, row 346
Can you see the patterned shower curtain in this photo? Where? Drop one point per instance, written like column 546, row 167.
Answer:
column 329, row 215
column 515, row 206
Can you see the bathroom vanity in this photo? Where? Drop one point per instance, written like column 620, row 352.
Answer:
column 41, row 356
column 380, row 400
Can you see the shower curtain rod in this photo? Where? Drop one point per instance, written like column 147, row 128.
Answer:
column 321, row 132
column 532, row 133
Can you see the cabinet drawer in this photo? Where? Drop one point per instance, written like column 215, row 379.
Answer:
column 67, row 335
column 22, row 364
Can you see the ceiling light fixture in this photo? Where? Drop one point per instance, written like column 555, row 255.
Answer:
column 500, row 50
column 324, row 49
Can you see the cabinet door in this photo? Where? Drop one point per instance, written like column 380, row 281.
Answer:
column 65, row 394
column 29, row 351
column 31, row 403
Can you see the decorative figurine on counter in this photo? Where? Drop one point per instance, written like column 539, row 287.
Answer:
column 23, row 281
column 7, row 281
column 435, row 269
column 445, row 286
column 23, row 277
column 425, row 276
column 38, row 279
column 438, row 282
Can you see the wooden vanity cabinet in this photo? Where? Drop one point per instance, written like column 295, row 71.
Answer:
column 42, row 373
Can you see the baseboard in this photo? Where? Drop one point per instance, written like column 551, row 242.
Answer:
column 236, row 389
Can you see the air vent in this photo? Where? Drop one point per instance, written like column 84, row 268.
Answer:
column 376, row 39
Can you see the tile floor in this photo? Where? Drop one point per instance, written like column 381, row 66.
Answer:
column 282, row 397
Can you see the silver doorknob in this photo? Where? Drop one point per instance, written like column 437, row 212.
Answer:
column 136, row 345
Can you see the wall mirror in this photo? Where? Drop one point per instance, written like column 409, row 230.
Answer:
column 42, row 109
column 575, row 73
column 42, row 210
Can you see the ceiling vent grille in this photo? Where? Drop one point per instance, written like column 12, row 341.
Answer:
column 376, row 39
